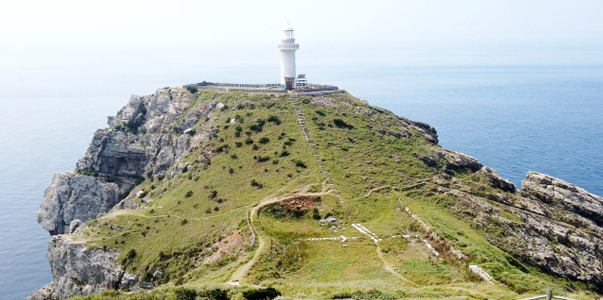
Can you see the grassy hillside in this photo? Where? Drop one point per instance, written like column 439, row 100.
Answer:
column 193, row 224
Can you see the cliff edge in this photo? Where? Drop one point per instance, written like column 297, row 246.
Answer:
column 306, row 194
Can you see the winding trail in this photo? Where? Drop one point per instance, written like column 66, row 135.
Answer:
column 239, row 274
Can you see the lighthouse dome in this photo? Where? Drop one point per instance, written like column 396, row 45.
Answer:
column 287, row 27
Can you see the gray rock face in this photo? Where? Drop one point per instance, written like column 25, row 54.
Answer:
column 555, row 191
column 73, row 196
column 146, row 138
column 450, row 160
column 554, row 225
column 77, row 270
column 42, row 294
column 497, row 181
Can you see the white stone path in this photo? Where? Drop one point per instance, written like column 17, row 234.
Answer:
column 367, row 232
column 338, row 238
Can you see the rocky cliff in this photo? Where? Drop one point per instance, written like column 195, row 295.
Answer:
column 165, row 189
column 145, row 138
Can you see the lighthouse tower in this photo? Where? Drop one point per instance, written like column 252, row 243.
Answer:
column 288, row 48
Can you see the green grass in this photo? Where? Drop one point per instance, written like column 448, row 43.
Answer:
column 371, row 156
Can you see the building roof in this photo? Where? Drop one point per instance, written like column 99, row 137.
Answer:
column 287, row 27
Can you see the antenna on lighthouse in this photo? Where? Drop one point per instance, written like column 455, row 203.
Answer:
column 287, row 46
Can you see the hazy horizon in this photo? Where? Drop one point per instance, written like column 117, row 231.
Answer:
column 73, row 48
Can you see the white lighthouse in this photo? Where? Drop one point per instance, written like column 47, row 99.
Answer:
column 288, row 48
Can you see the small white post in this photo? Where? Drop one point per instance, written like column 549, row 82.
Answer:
column 549, row 294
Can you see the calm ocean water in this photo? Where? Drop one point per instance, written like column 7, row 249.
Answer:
column 513, row 119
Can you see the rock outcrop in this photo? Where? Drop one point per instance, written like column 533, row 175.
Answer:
column 496, row 181
column 563, row 195
column 74, row 196
column 77, row 270
column 551, row 224
column 450, row 161
column 146, row 138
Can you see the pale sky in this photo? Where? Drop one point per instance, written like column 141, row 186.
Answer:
column 65, row 40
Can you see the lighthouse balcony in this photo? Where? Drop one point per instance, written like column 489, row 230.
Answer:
column 288, row 46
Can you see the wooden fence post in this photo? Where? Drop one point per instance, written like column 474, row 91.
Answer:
column 549, row 294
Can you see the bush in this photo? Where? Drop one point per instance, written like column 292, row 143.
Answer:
column 263, row 158
column 231, row 170
column 185, row 294
column 255, row 147
column 192, row 89
column 218, row 294
column 342, row 124
column 264, row 140
column 299, row 163
column 248, row 141
column 320, row 113
column 239, row 144
column 254, row 183
column 213, row 194
column 261, row 294
column 188, row 194
column 274, row 119
column 222, row 148
column 284, row 153
column 315, row 214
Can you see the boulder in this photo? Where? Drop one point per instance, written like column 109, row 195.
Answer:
column 75, row 197
column 557, row 192
column 496, row 181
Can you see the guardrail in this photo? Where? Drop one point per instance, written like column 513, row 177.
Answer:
column 548, row 296
column 270, row 88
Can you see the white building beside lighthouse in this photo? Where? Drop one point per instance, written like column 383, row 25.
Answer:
column 288, row 47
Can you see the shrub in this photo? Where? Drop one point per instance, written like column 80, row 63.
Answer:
column 192, row 89
column 261, row 294
column 238, row 144
column 248, row 141
column 231, row 170
column 185, row 294
column 254, row 183
column 222, row 148
column 237, row 134
column 284, row 153
column 239, row 129
column 255, row 147
column 320, row 113
column 315, row 214
column 188, row 194
column 342, row 124
column 274, row 119
column 218, row 294
column 299, row 163
column 263, row 158
column 213, row 194
column 264, row 140
column 234, row 156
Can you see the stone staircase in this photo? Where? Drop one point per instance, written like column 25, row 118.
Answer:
column 304, row 127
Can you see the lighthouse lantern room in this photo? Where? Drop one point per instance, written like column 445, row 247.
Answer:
column 288, row 47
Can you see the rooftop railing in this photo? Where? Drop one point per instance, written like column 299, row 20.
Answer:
column 287, row 46
column 270, row 88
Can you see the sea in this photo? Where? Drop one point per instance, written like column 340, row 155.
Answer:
column 513, row 118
